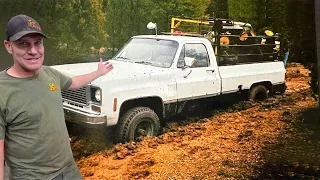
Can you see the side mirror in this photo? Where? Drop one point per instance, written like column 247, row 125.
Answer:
column 189, row 61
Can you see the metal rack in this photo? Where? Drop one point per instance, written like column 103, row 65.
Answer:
column 244, row 49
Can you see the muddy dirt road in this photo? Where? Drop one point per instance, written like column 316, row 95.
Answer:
column 231, row 143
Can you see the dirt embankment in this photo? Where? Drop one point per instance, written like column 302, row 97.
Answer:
column 230, row 144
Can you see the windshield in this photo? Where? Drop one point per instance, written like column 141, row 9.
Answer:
column 154, row 52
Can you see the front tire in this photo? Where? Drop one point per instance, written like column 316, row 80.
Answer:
column 138, row 123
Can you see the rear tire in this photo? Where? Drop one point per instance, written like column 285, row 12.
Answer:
column 258, row 93
column 138, row 123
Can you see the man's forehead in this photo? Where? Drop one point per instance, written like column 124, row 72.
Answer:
column 31, row 37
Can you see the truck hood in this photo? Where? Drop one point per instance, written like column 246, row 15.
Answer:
column 121, row 69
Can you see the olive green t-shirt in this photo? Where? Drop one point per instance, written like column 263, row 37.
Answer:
column 32, row 124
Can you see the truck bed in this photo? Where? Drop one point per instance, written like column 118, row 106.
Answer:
column 242, row 76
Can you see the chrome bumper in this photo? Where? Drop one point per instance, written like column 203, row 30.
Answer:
column 90, row 120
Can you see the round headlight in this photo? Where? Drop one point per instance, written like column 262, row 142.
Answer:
column 97, row 95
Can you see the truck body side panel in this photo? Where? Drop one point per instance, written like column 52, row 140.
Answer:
column 244, row 75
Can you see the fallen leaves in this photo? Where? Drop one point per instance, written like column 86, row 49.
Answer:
column 229, row 144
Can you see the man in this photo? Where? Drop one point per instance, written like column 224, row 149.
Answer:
column 33, row 136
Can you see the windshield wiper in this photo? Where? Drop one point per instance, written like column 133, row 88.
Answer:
column 120, row 57
column 143, row 62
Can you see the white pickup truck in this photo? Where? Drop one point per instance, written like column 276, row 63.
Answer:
column 155, row 76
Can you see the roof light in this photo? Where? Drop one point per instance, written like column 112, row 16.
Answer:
column 152, row 25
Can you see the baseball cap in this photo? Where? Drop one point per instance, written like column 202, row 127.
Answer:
column 21, row 25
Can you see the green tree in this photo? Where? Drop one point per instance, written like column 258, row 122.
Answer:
column 218, row 9
column 72, row 26
column 77, row 25
column 126, row 18
column 244, row 10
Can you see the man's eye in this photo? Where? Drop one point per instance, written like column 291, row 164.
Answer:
column 38, row 43
column 23, row 44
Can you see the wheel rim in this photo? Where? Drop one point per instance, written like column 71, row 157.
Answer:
column 143, row 129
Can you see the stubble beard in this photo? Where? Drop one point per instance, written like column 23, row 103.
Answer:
column 30, row 70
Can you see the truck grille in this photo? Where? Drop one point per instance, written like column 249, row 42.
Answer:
column 78, row 97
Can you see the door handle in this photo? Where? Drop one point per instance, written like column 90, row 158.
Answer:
column 211, row 70
column 187, row 74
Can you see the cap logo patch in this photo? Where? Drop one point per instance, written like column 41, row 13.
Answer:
column 33, row 25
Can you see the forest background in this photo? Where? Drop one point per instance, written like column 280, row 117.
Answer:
column 84, row 30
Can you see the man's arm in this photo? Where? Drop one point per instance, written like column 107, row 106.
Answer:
column 2, row 159
column 82, row 80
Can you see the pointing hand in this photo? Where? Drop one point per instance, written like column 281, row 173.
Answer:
column 104, row 68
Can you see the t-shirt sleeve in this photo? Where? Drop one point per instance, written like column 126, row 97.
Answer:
column 65, row 81
column 3, row 123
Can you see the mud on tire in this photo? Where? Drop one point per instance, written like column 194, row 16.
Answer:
column 258, row 93
column 136, row 124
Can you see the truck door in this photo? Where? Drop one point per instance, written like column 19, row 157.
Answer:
column 199, row 80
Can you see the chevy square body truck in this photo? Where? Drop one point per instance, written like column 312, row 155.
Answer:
column 156, row 76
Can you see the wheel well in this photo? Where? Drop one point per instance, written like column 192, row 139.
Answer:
column 154, row 103
column 266, row 84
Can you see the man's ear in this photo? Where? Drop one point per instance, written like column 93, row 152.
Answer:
column 8, row 46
